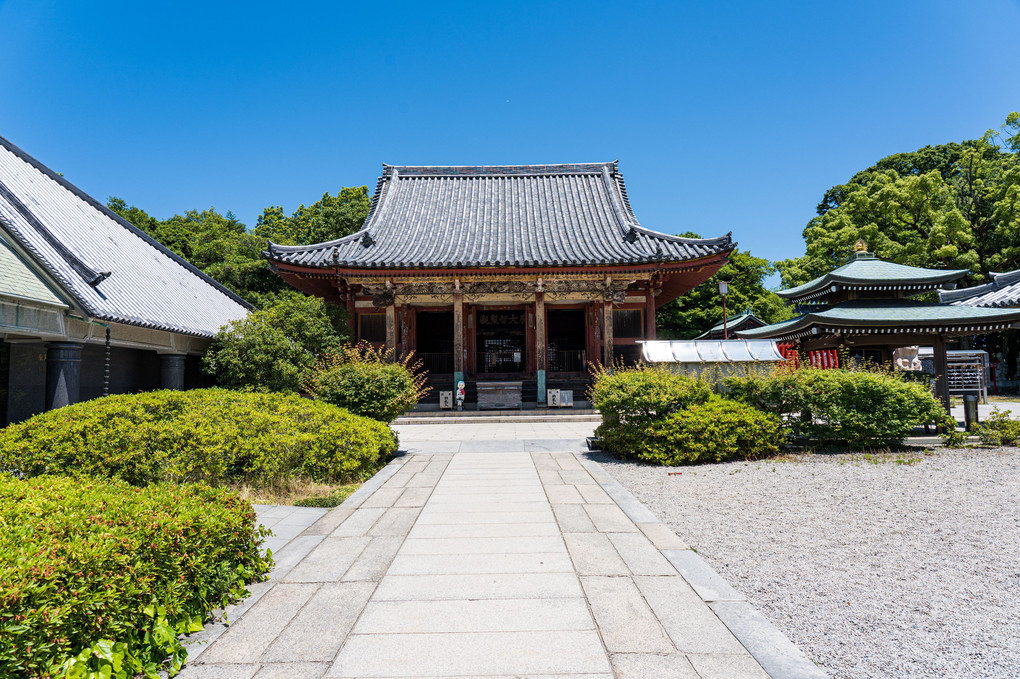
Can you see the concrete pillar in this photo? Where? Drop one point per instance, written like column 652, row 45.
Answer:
column 541, row 344
column 171, row 371
column 607, row 333
column 458, row 335
column 63, row 374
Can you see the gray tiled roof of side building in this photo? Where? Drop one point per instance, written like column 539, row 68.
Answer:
column 1002, row 291
column 77, row 240
column 505, row 215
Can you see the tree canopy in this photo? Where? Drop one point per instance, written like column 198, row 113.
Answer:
column 222, row 247
column 954, row 205
column 700, row 309
column 329, row 218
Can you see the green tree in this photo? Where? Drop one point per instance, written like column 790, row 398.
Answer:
column 329, row 218
column 136, row 216
column 691, row 314
column 273, row 349
column 953, row 205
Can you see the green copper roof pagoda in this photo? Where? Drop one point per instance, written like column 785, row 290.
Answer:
column 885, row 317
column 733, row 324
column 867, row 276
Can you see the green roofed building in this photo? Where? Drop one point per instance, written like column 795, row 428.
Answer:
column 730, row 326
column 866, row 304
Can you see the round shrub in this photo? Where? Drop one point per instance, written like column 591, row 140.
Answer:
column 368, row 382
column 856, row 407
column 999, row 429
column 210, row 435
column 98, row 574
column 631, row 399
column 714, row 431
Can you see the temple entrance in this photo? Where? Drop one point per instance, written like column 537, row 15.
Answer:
column 566, row 330
column 502, row 341
column 434, row 340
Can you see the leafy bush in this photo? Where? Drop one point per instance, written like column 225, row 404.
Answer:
column 856, row 407
column 272, row 349
column 210, row 435
column 631, row 399
column 999, row 430
column 98, row 576
column 368, row 382
column 714, row 431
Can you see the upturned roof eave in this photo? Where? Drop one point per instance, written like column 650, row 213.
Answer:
column 811, row 321
column 342, row 269
column 820, row 284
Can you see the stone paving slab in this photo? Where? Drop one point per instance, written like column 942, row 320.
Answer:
column 481, row 653
column 512, row 561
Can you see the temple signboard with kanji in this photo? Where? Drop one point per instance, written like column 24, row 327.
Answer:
column 498, row 273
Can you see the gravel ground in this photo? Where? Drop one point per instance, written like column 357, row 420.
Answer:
column 873, row 567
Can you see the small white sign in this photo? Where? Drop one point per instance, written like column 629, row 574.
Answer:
column 446, row 400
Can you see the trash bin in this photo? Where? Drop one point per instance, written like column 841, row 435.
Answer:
column 970, row 411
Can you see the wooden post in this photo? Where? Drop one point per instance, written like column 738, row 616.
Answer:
column 607, row 333
column 541, row 343
column 458, row 334
column 941, row 370
column 391, row 329
column 650, row 314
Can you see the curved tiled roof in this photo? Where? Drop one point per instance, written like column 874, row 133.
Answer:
column 500, row 215
column 112, row 270
column 1002, row 291
column 891, row 315
column 866, row 271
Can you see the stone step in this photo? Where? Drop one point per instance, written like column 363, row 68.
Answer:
column 491, row 416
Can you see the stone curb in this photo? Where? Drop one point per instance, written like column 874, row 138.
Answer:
column 777, row 655
column 286, row 558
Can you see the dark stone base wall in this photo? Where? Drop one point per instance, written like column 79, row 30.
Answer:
column 26, row 382
column 131, row 371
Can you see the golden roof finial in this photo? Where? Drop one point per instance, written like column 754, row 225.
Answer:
column 860, row 246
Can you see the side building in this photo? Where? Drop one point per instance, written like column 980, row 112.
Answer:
column 89, row 304
column 521, row 273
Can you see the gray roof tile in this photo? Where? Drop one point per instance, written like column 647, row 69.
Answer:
column 1002, row 291
column 112, row 270
column 495, row 216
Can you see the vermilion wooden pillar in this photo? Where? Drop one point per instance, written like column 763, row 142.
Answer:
column 541, row 344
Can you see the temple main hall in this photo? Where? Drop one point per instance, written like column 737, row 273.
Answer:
column 519, row 273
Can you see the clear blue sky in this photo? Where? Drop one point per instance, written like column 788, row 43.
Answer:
column 724, row 115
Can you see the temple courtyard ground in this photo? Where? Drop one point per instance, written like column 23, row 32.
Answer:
column 503, row 550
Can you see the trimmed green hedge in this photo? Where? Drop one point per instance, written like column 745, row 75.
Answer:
column 632, row 399
column 855, row 407
column 100, row 576
column 717, row 430
column 210, row 435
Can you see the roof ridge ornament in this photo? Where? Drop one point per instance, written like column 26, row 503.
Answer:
column 367, row 241
column 860, row 245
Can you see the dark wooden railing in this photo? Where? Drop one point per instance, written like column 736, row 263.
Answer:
column 437, row 363
column 571, row 361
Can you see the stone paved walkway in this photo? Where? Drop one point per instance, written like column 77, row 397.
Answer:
column 508, row 563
